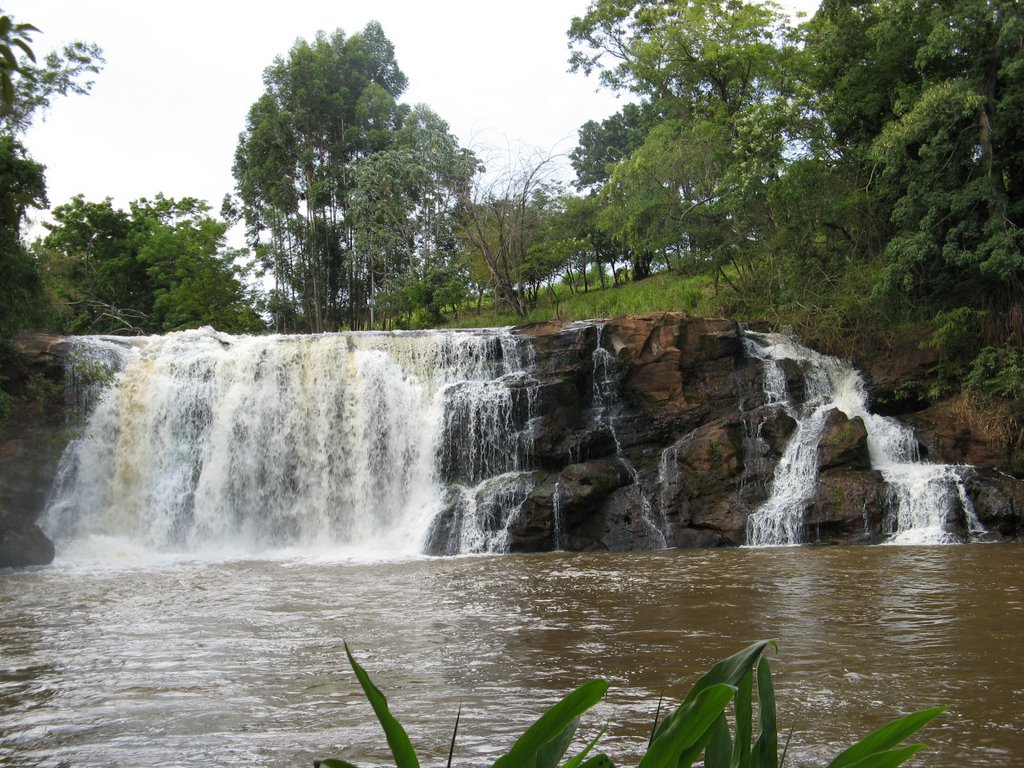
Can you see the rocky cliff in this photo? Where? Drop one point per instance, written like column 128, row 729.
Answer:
column 653, row 431
column 31, row 440
column 640, row 432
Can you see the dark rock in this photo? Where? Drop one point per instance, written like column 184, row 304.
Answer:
column 844, row 443
column 776, row 430
column 24, row 546
column 848, row 507
column 998, row 502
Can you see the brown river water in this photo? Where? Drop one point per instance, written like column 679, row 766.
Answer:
column 241, row 662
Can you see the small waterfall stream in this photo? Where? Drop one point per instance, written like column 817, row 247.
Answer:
column 925, row 497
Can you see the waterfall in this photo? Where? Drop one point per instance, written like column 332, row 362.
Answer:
column 925, row 497
column 203, row 441
column 607, row 374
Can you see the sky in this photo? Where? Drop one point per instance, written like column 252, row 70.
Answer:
column 165, row 113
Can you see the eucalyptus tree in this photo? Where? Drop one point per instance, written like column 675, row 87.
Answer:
column 327, row 103
column 403, row 208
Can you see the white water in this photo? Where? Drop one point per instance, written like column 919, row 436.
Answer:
column 211, row 443
column 925, row 496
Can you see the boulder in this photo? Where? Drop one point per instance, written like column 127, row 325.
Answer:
column 844, row 443
column 848, row 507
column 24, row 546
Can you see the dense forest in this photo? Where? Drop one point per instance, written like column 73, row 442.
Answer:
column 852, row 175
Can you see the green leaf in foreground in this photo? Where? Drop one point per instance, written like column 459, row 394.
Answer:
column 687, row 727
column 884, row 739
column 398, row 740
column 551, row 728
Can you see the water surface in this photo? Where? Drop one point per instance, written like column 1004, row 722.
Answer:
column 241, row 662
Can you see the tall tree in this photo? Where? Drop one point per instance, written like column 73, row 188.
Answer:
column 718, row 86
column 329, row 102
column 403, row 208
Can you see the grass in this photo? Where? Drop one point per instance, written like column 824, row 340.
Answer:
column 660, row 293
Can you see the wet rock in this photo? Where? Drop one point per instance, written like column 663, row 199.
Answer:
column 998, row 501
column 844, row 443
column 23, row 546
column 776, row 430
column 848, row 507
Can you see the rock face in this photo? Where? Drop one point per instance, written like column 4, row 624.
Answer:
column 643, row 432
column 30, row 446
column 654, row 431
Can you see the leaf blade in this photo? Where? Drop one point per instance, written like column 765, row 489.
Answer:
column 397, row 738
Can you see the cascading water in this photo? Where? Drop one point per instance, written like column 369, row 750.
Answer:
column 606, row 379
column 925, row 496
column 205, row 441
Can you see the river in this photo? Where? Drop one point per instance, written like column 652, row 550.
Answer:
column 128, row 659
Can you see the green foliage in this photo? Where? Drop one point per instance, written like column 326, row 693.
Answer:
column 998, row 372
column 27, row 86
column 21, row 186
column 160, row 266
column 698, row 728
column 13, row 38
column 350, row 197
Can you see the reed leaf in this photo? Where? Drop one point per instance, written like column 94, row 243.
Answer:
column 398, row 739
column 552, row 728
column 885, row 738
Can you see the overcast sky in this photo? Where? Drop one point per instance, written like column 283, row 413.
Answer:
column 165, row 113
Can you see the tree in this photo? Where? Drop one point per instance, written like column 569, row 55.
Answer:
column 328, row 103
column 14, row 38
column 161, row 266
column 403, row 208
column 27, row 87
column 723, row 111
column 21, row 186
column 952, row 159
column 504, row 221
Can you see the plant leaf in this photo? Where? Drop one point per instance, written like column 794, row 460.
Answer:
column 577, row 761
column 890, row 758
column 886, row 737
column 719, row 751
column 398, row 739
column 744, row 708
column 552, row 725
column 766, row 749
column 687, row 726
